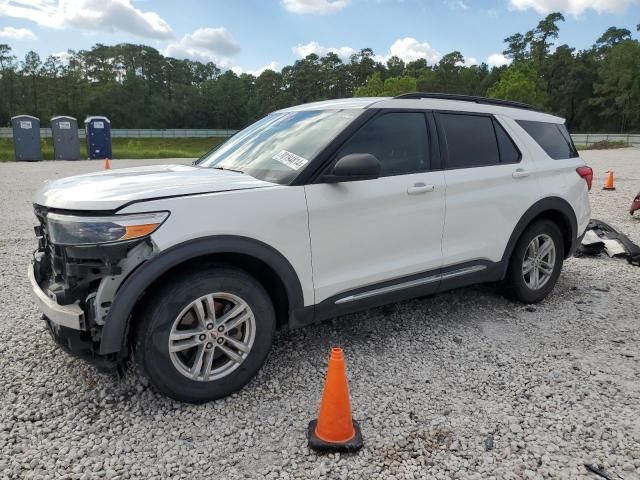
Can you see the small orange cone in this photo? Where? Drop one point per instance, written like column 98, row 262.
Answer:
column 107, row 164
column 608, row 185
column 335, row 430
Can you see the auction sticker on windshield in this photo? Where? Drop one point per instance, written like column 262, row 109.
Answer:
column 291, row 160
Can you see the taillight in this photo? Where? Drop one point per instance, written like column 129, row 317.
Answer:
column 587, row 174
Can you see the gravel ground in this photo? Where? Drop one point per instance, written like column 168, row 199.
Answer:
column 462, row 385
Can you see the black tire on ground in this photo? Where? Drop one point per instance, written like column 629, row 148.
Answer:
column 151, row 347
column 514, row 284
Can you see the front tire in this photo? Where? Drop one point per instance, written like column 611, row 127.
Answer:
column 535, row 263
column 205, row 334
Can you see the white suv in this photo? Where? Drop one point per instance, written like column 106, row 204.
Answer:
column 312, row 212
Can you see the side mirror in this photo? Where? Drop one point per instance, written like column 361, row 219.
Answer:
column 354, row 167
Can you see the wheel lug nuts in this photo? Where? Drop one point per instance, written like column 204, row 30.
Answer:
column 209, row 345
column 221, row 328
column 220, row 340
column 210, row 326
column 202, row 337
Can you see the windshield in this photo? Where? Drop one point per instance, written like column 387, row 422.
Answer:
column 276, row 148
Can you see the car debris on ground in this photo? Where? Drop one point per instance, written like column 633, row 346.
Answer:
column 602, row 237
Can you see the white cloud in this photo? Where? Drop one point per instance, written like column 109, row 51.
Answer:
column 498, row 60
column 458, row 4
column 409, row 49
column 63, row 57
column 314, row 47
column 98, row 15
column 470, row 61
column 275, row 66
column 17, row 33
column 321, row 7
column 206, row 44
column 572, row 7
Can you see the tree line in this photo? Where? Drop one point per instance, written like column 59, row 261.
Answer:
column 595, row 89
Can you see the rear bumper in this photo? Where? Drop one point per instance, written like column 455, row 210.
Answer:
column 68, row 316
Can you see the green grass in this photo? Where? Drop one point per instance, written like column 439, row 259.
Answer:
column 130, row 148
column 180, row 147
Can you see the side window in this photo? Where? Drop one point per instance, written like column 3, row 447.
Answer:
column 471, row 140
column 398, row 140
column 509, row 153
column 552, row 137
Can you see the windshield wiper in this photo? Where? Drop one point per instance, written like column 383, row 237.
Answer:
column 227, row 168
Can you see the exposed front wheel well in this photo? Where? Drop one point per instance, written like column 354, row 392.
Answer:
column 255, row 267
column 258, row 259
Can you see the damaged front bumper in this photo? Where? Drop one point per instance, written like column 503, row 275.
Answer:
column 79, row 344
column 68, row 316
column 75, row 286
column 77, row 326
column 67, row 326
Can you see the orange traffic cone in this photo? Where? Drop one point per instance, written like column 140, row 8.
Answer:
column 334, row 429
column 608, row 185
column 107, row 164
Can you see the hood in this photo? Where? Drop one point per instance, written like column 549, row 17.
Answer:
column 111, row 189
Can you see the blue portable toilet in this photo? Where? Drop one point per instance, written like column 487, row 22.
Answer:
column 98, row 132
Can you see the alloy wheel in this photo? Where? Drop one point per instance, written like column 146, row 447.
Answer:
column 212, row 336
column 539, row 261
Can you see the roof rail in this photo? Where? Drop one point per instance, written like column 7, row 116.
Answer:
column 467, row 98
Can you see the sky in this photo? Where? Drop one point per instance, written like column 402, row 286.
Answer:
column 251, row 35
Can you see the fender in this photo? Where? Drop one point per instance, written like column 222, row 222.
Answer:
column 549, row 204
column 116, row 324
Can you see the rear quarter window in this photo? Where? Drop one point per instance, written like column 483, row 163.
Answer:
column 476, row 141
column 552, row 137
column 471, row 140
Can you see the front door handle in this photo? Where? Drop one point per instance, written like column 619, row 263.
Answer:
column 419, row 188
column 520, row 173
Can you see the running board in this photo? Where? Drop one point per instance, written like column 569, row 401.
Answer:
column 411, row 283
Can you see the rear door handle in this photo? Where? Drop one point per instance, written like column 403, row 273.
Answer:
column 520, row 173
column 419, row 188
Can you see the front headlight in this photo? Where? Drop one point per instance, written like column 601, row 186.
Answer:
column 77, row 230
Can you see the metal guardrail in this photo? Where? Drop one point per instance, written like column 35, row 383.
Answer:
column 591, row 138
column 171, row 133
column 8, row 132
column 143, row 133
column 578, row 138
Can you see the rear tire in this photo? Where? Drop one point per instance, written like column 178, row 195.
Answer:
column 205, row 334
column 535, row 264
